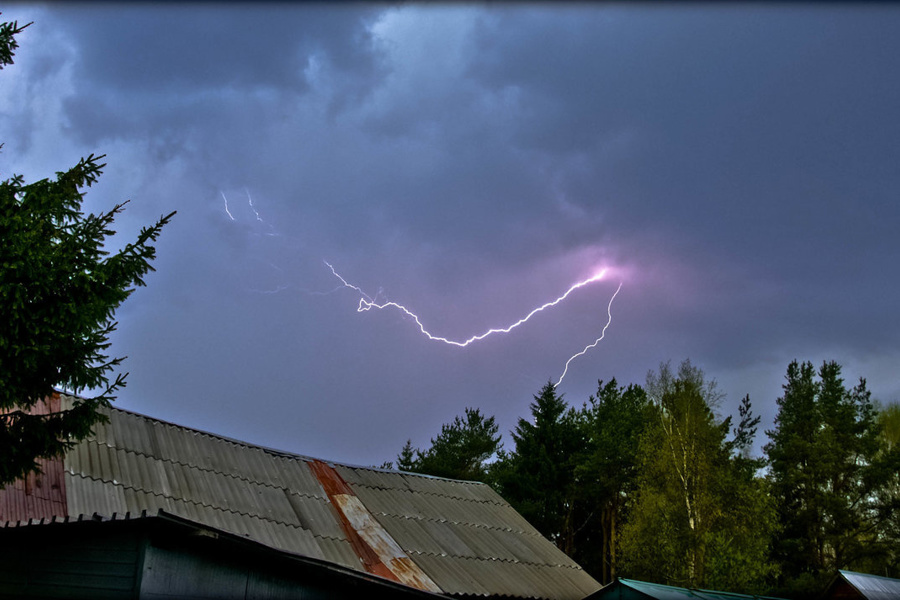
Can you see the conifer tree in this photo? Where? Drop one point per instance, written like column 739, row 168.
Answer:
column 461, row 451
column 828, row 468
column 59, row 289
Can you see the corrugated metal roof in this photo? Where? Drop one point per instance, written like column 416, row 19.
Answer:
column 462, row 535
column 659, row 591
column 873, row 587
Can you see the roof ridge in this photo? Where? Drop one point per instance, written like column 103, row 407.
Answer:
column 284, row 453
column 210, row 434
column 205, row 470
column 205, row 505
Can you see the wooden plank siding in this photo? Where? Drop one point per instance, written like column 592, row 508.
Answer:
column 165, row 557
column 48, row 561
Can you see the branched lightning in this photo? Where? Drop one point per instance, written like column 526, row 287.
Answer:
column 367, row 303
column 597, row 341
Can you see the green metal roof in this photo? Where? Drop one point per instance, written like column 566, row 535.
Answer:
column 633, row 589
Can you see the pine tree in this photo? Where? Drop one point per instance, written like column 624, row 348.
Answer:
column 461, row 451
column 826, row 460
column 539, row 476
column 616, row 418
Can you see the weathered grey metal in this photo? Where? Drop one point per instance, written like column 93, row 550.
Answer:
column 872, row 587
column 456, row 536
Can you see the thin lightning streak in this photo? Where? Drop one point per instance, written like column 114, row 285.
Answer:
column 366, row 303
column 349, row 285
column 597, row 341
column 253, row 208
column 227, row 212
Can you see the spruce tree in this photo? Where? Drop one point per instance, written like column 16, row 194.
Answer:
column 59, row 289
column 827, row 466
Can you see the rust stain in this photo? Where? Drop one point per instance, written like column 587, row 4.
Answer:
column 39, row 495
column 410, row 573
column 334, row 485
column 330, row 479
column 380, row 553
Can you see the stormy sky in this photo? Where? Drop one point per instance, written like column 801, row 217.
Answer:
column 733, row 167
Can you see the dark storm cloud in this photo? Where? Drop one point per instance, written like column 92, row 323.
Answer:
column 149, row 68
column 735, row 167
column 758, row 134
column 184, row 48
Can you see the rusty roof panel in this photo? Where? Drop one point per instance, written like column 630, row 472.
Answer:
column 39, row 495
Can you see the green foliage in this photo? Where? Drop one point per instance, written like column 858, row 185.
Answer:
column 461, row 451
column 829, row 468
column 59, row 289
column 651, row 483
column 888, row 494
column 615, row 420
column 889, row 421
column 700, row 518
column 8, row 43
column 539, row 477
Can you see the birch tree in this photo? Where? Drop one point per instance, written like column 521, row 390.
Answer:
column 686, row 528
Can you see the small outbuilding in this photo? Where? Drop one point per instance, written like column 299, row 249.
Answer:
column 630, row 589
column 849, row 585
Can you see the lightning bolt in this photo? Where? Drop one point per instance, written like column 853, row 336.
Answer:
column 253, row 208
column 227, row 212
column 597, row 341
column 366, row 303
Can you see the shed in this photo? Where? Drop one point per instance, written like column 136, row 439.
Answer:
column 457, row 538
column 630, row 589
column 850, row 585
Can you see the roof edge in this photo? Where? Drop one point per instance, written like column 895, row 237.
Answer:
column 276, row 451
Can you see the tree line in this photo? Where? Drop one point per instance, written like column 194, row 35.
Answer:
column 649, row 482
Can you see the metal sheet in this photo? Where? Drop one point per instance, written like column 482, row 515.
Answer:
column 461, row 535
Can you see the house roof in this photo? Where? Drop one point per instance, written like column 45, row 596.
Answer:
column 440, row 535
column 872, row 587
column 658, row 591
